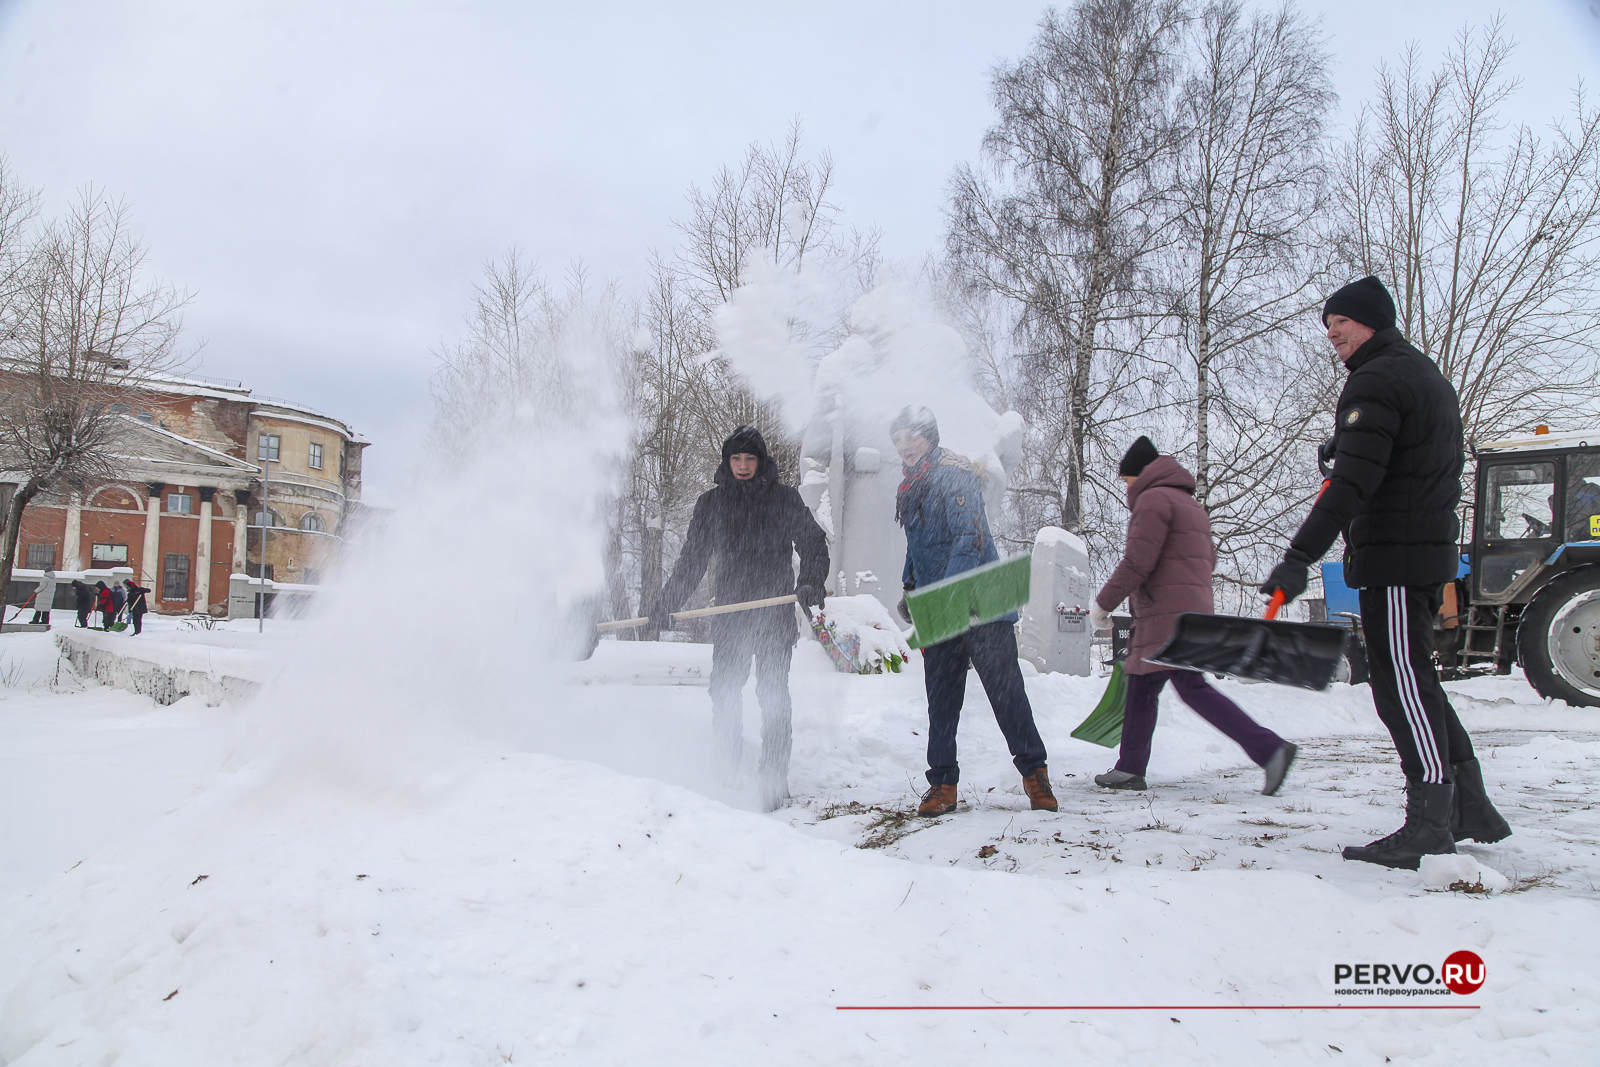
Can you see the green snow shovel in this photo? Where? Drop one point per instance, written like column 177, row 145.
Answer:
column 951, row 607
column 1103, row 727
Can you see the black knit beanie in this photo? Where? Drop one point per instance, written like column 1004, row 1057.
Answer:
column 918, row 420
column 1137, row 458
column 1365, row 301
column 746, row 439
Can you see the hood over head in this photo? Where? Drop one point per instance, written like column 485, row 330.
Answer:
column 1163, row 472
column 746, row 439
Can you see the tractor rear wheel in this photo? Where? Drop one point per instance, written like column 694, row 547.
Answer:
column 1558, row 638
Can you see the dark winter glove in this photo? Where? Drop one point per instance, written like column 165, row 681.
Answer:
column 1325, row 453
column 1289, row 576
column 808, row 597
column 905, row 612
column 660, row 617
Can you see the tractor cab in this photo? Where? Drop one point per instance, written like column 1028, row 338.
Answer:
column 1533, row 592
column 1537, row 513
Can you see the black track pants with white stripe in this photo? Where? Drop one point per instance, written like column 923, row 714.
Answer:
column 1398, row 623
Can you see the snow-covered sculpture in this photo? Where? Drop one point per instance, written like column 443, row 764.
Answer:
column 850, row 473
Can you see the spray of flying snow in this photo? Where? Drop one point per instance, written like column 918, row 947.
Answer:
column 895, row 351
column 441, row 635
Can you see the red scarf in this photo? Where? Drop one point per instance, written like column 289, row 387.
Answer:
column 907, row 497
column 916, row 474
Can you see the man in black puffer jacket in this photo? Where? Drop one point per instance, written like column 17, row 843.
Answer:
column 1396, row 481
column 753, row 525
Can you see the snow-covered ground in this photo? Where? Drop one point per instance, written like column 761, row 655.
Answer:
column 182, row 885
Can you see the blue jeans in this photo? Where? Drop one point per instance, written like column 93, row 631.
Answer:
column 991, row 649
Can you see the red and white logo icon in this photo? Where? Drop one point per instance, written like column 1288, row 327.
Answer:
column 1464, row 972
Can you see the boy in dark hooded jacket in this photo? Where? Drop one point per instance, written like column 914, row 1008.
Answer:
column 1166, row 570
column 753, row 525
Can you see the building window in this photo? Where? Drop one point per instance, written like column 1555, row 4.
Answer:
column 264, row 518
column 267, row 446
column 311, row 521
column 315, row 458
column 180, row 503
column 175, row 577
column 109, row 555
column 254, row 570
column 41, row 557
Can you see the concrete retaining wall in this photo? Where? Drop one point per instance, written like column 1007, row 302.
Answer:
column 164, row 673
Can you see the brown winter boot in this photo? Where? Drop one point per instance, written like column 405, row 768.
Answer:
column 938, row 800
column 1037, row 783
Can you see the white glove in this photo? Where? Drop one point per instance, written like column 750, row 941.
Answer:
column 1100, row 619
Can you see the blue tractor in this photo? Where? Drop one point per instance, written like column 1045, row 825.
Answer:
column 1529, row 588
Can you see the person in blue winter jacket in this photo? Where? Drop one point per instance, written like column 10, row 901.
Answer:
column 940, row 505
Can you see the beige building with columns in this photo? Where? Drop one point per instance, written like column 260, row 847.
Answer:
column 205, row 470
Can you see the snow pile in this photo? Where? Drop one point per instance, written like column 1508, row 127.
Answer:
column 1445, row 872
column 534, row 908
column 864, row 631
column 525, row 903
column 166, row 671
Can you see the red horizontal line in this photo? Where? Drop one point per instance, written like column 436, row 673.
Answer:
column 1157, row 1007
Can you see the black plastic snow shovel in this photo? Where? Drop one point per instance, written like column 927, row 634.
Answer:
column 1300, row 654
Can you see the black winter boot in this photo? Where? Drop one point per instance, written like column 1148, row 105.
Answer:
column 1472, row 815
column 1426, row 832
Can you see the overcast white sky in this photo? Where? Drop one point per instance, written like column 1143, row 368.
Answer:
column 328, row 178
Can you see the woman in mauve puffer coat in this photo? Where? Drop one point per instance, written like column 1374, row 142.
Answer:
column 1166, row 570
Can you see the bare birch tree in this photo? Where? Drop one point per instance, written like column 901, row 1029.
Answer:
column 1488, row 235
column 18, row 209
column 677, row 401
column 772, row 210
column 1065, row 218
column 85, row 330
column 771, row 213
column 1245, row 269
column 534, row 360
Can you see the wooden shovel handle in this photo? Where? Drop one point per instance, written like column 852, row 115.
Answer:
column 697, row 613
